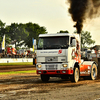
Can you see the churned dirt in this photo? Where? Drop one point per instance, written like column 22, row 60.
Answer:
column 30, row 87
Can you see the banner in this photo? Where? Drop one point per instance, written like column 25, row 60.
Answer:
column 3, row 42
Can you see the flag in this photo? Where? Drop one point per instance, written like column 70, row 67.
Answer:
column 33, row 44
column 3, row 42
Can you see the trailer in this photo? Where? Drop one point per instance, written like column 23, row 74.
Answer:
column 59, row 55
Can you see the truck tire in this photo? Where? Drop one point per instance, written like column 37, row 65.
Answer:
column 94, row 72
column 75, row 76
column 33, row 61
column 45, row 78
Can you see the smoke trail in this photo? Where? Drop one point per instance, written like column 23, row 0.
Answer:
column 80, row 10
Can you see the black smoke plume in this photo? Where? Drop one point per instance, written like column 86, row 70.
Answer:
column 80, row 10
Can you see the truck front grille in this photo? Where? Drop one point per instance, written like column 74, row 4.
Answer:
column 51, row 67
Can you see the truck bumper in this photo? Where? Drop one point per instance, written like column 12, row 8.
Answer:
column 55, row 72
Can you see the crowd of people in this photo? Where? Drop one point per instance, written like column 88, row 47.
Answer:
column 17, row 55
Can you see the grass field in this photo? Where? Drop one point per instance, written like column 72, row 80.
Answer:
column 20, row 63
column 17, row 72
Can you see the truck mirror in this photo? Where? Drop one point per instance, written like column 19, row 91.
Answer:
column 73, row 42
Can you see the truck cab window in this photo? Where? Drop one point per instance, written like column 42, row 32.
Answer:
column 57, row 42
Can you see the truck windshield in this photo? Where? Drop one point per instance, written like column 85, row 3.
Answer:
column 58, row 42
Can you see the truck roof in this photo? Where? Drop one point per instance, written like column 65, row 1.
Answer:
column 58, row 34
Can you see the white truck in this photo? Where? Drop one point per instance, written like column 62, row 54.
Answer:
column 58, row 55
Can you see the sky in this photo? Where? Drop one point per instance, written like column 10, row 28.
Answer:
column 52, row 14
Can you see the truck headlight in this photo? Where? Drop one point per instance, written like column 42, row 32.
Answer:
column 39, row 66
column 64, row 65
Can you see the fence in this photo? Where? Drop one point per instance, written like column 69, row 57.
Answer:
column 15, row 60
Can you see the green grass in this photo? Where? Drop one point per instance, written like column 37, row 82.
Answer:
column 17, row 72
column 20, row 63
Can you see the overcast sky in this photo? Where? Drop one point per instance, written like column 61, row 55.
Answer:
column 53, row 14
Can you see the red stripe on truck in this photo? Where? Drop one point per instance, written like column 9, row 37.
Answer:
column 55, row 72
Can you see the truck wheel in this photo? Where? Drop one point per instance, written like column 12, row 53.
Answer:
column 45, row 78
column 94, row 71
column 33, row 61
column 75, row 76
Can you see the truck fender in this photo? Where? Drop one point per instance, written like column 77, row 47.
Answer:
column 76, row 65
column 90, row 63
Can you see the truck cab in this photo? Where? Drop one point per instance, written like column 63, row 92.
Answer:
column 58, row 55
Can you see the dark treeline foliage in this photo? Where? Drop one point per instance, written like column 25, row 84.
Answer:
column 15, row 33
column 61, row 31
column 20, row 34
column 86, row 40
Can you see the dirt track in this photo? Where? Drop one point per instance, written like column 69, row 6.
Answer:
column 30, row 87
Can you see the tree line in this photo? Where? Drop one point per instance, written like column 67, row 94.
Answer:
column 17, row 32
